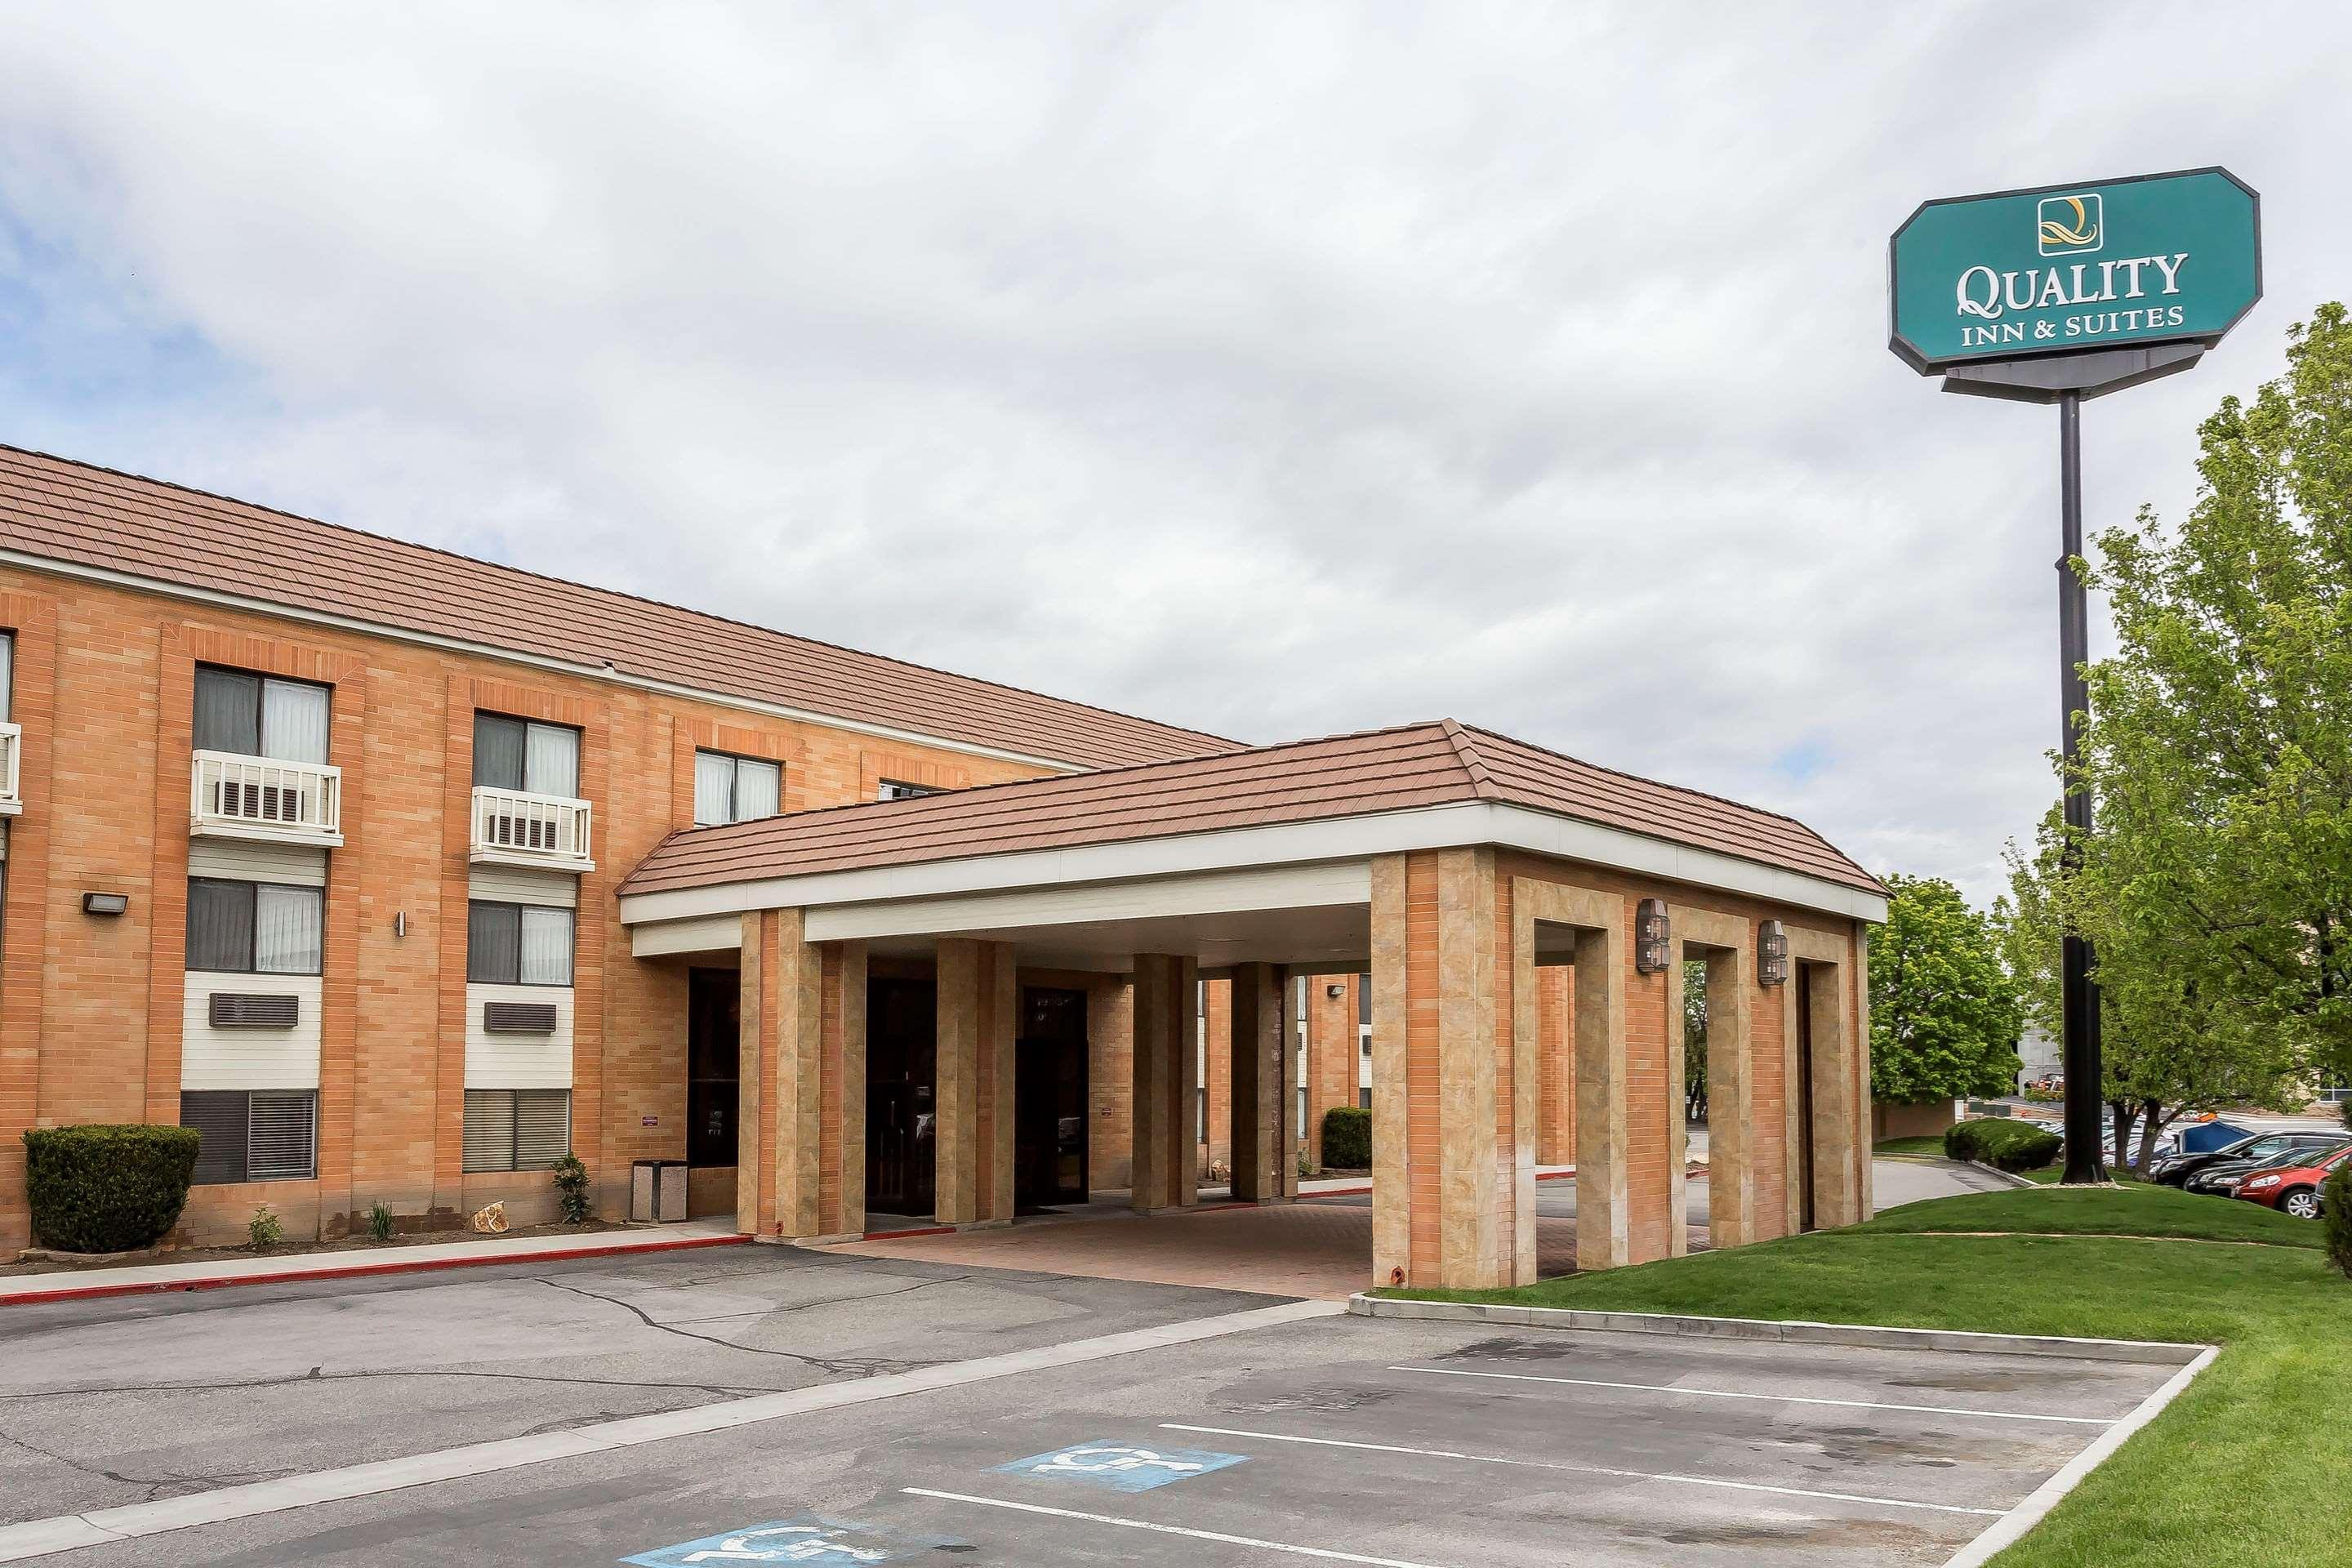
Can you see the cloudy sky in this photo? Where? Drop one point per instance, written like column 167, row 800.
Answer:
column 1275, row 369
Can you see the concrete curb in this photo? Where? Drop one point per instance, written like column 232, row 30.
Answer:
column 24, row 1295
column 2012, row 1177
column 1771, row 1331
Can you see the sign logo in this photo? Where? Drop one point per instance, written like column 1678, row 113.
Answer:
column 1121, row 1467
column 808, row 1541
column 2070, row 225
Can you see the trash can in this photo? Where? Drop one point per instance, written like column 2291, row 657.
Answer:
column 656, row 1191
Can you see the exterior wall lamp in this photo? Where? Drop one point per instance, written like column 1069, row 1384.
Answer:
column 1653, row 936
column 107, row 904
column 1772, row 954
column 1335, row 990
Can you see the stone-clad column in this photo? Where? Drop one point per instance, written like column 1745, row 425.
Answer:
column 779, row 1159
column 1165, row 1174
column 973, row 1134
column 1265, row 1123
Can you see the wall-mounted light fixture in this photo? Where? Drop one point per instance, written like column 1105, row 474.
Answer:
column 1652, row 937
column 1335, row 990
column 399, row 923
column 1772, row 954
column 107, row 904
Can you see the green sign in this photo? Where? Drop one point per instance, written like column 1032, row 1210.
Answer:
column 2064, row 269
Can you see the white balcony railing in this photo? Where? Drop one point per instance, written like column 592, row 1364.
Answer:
column 12, row 750
column 260, row 797
column 516, row 827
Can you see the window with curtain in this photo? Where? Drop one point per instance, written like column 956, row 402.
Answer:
column 520, row 753
column 517, row 944
column 253, row 1135
column 735, row 789
column 7, row 676
column 260, row 716
column 255, row 928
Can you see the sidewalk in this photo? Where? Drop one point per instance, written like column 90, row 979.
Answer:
column 86, row 1284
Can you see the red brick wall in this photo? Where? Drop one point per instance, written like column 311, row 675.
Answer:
column 1334, row 1051
column 89, row 1008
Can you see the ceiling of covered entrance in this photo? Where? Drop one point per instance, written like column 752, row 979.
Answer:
column 1332, row 937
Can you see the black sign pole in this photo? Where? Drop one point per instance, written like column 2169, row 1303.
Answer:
column 2079, row 992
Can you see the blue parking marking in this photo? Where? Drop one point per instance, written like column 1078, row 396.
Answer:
column 806, row 1539
column 1120, row 1467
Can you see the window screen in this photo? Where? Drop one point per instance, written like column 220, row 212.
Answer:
column 517, row 944
column 517, row 1129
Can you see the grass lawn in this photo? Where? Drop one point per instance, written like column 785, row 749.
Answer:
column 2251, row 1466
column 1911, row 1147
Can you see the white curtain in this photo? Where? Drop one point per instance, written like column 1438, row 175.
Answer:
column 551, row 761
column 758, row 789
column 7, row 673
column 714, row 789
column 546, row 947
column 293, row 722
column 286, row 923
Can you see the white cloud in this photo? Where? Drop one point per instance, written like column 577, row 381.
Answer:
column 1275, row 370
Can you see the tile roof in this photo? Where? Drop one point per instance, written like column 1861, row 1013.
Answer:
column 1439, row 764
column 76, row 514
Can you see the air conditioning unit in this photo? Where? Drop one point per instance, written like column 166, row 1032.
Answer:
column 244, row 1010
column 519, row 1017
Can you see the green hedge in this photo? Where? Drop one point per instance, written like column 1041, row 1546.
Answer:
column 106, row 1189
column 2002, row 1142
column 1348, row 1138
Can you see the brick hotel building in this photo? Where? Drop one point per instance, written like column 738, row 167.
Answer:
column 400, row 875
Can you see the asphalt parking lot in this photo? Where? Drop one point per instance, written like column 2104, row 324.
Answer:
column 1407, row 1444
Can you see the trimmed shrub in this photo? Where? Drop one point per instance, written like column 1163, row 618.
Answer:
column 2002, row 1142
column 2335, row 1215
column 106, row 1188
column 1348, row 1138
column 571, row 1190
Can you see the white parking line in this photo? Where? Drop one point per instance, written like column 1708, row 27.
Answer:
column 1768, row 1398
column 1163, row 1529
column 1588, row 1470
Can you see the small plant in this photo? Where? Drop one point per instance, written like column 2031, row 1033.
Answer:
column 1348, row 1138
column 380, row 1220
column 572, row 1189
column 263, row 1232
column 2336, row 1216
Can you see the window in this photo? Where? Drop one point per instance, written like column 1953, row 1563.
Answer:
column 517, row 944
column 1364, row 1098
column 7, row 673
column 254, row 928
column 517, row 1129
column 1364, row 1001
column 518, row 754
column 260, row 716
column 735, row 789
column 253, row 1135
column 898, row 789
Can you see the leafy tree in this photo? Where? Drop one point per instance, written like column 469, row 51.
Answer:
column 1944, row 1010
column 2218, row 885
column 1695, row 1041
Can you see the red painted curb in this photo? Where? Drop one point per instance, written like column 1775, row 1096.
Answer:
column 894, row 1235
column 354, row 1270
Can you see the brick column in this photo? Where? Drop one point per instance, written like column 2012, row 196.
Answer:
column 1554, row 988
column 1602, row 967
column 1164, row 1035
column 975, row 1131
column 1333, row 1049
column 1453, row 1146
column 1217, row 1072
column 1264, row 1135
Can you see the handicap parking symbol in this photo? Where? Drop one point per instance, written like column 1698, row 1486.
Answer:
column 1121, row 1467
column 805, row 1540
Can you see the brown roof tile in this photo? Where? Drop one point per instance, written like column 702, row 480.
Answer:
column 1344, row 776
column 73, row 513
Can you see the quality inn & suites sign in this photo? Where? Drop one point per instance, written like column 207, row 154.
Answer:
column 2159, row 259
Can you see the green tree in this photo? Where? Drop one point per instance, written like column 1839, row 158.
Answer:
column 2218, row 746
column 1944, row 1011
column 1695, row 1041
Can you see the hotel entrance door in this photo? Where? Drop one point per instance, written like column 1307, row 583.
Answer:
column 1049, row 1096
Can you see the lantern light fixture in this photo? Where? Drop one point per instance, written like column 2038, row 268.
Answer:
column 1653, row 936
column 1772, row 954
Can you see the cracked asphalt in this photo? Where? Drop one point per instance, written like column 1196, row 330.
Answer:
column 130, row 1400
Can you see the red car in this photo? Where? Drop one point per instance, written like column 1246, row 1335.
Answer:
column 2294, row 1189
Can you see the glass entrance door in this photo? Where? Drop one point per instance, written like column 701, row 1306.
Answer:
column 901, row 1076
column 1049, row 1095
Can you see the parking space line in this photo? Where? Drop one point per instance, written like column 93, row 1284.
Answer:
column 1588, row 1470
column 1250, row 1541
column 1768, row 1398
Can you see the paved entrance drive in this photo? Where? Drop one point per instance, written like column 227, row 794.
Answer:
column 1382, row 1442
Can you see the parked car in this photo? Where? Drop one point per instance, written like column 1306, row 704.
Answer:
column 2294, row 1189
column 2175, row 1170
